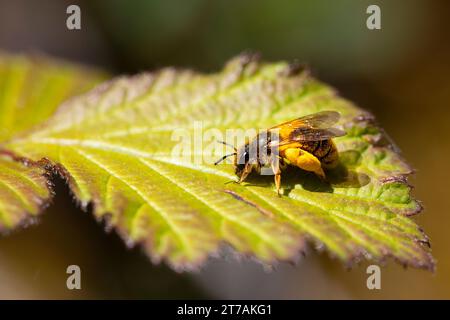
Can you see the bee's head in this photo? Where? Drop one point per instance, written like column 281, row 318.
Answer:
column 242, row 159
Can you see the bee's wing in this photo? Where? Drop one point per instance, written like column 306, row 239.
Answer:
column 311, row 135
column 319, row 120
column 313, row 127
column 316, row 134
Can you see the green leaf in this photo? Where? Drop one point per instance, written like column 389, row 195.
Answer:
column 115, row 145
column 24, row 192
column 31, row 88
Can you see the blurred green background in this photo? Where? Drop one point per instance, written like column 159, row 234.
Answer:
column 401, row 73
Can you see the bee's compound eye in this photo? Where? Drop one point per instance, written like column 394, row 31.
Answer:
column 243, row 158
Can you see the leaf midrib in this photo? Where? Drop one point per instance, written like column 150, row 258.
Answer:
column 107, row 146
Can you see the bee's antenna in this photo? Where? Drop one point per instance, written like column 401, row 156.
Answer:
column 227, row 144
column 224, row 157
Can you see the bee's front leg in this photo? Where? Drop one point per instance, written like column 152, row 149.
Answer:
column 274, row 163
column 278, row 182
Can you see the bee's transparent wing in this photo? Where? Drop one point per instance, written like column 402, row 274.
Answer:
column 314, row 127
column 317, row 134
column 312, row 135
column 319, row 120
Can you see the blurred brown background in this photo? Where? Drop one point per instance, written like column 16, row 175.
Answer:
column 401, row 73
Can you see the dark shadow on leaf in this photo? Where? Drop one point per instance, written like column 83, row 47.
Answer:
column 290, row 177
column 339, row 177
column 343, row 177
column 351, row 158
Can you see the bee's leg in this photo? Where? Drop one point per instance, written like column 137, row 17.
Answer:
column 278, row 182
column 247, row 169
column 276, row 170
column 304, row 160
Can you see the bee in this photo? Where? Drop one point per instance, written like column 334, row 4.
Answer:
column 305, row 142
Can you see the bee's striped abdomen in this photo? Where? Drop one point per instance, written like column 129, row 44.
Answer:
column 327, row 154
